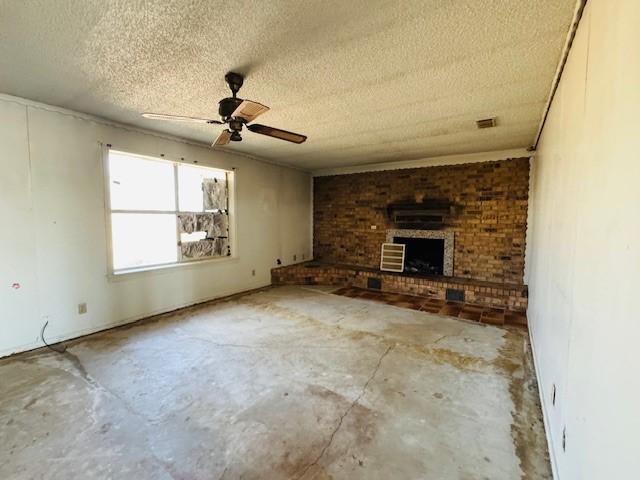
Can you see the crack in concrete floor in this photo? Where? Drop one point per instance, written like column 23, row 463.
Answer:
column 342, row 417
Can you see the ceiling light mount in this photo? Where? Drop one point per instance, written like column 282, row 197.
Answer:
column 234, row 81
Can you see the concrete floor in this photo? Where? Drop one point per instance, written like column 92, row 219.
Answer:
column 286, row 383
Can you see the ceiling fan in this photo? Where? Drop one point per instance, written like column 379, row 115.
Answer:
column 235, row 113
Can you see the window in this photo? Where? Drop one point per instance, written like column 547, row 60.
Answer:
column 165, row 213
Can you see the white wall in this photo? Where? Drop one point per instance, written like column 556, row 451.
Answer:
column 53, row 240
column 584, row 264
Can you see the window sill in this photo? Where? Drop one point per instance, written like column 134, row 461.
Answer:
column 129, row 273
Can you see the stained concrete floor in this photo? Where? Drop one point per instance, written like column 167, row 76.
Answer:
column 286, row 383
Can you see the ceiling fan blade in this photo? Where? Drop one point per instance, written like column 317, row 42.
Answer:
column 178, row 118
column 277, row 133
column 222, row 139
column 249, row 110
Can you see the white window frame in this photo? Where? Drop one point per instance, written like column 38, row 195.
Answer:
column 230, row 174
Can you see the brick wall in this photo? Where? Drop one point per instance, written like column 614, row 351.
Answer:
column 490, row 221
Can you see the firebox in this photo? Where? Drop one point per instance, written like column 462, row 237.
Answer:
column 423, row 255
column 431, row 254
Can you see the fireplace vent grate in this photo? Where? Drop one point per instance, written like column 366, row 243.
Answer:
column 374, row 283
column 454, row 295
column 392, row 257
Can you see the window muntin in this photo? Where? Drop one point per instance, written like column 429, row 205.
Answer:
column 165, row 213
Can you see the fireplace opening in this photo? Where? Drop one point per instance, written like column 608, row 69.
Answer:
column 423, row 255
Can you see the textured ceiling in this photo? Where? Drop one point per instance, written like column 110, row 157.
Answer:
column 367, row 81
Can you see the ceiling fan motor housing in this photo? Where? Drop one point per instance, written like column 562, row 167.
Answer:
column 227, row 106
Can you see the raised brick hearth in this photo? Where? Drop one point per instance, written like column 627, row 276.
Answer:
column 507, row 296
column 464, row 311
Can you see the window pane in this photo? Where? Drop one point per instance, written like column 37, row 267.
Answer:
column 190, row 190
column 139, row 184
column 141, row 239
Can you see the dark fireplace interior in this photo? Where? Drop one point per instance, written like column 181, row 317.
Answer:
column 423, row 255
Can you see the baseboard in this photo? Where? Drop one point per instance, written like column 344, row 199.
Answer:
column 108, row 326
column 543, row 404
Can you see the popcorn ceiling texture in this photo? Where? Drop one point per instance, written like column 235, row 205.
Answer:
column 367, row 81
column 489, row 224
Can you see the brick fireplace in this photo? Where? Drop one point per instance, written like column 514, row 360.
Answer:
column 350, row 217
column 472, row 216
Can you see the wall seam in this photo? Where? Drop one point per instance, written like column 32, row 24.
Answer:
column 33, row 216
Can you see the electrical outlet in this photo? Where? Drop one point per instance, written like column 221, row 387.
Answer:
column 295, row 257
column 82, row 308
column 253, row 273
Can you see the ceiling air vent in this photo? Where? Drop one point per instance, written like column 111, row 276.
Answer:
column 486, row 122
